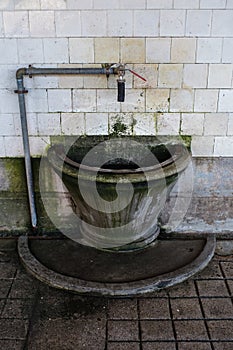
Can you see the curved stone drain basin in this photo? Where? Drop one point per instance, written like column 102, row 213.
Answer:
column 67, row 265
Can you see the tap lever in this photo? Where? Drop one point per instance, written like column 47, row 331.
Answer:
column 137, row 75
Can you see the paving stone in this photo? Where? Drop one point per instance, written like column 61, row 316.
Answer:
column 11, row 344
column 159, row 346
column 194, row 346
column 154, row 308
column 217, row 307
column 211, row 271
column 191, row 330
column 123, row 330
column 122, row 309
column 223, row 346
column 228, row 269
column 186, row 289
column 157, row 330
column 13, row 329
column 4, row 257
column 69, row 334
column 18, row 308
column 7, row 270
column 212, row 288
column 188, row 308
column 2, row 303
column 23, row 288
column 221, row 330
column 5, row 286
column 230, row 285
column 123, row 346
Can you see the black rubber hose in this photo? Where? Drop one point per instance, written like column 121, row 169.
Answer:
column 121, row 90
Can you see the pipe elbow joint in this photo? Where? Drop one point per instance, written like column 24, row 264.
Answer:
column 20, row 73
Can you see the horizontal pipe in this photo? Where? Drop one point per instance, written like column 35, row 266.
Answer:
column 60, row 71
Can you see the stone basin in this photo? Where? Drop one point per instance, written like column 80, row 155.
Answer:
column 119, row 186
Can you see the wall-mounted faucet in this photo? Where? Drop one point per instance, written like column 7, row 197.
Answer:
column 119, row 69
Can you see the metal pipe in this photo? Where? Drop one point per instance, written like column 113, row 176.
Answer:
column 31, row 71
column 28, row 165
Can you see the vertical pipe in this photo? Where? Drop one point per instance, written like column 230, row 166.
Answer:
column 28, row 165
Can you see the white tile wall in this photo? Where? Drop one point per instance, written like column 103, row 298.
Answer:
column 79, row 4
column 51, row 4
column 170, row 75
column 158, row 50
column 216, row 124
column 227, row 53
column 202, row 146
column 49, row 124
column 223, row 146
column 172, row 22
column 73, row 123
column 96, row 121
column 8, row 49
column 144, row 124
column 168, row 123
column 157, row 100
column 42, row 23
column 225, row 101
column 159, row 4
column 68, row 23
column 56, row 50
column 222, row 23
column 119, row 23
column 25, row 4
column 182, row 100
column 209, row 50
column 81, row 50
column 146, row 24
column 2, row 147
column 212, row 4
column 192, row 123
column 84, row 100
column 206, row 100
column 195, row 75
column 186, row 4
column 230, row 125
column 59, row 100
column 30, row 51
column 220, row 76
column 198, row 22
column 94, row 24
column 184, row 49
column 16, row 24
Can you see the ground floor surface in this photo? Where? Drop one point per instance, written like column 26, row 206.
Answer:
column 197, row 314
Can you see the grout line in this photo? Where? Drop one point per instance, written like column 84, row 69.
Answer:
column 106, row 326
column 203, row 314
column 139, row 326
column 173, row 323
column 226, row 283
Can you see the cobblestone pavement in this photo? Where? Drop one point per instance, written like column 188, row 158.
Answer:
column 197, row 314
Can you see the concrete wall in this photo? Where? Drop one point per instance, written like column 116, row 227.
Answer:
column 184, row 49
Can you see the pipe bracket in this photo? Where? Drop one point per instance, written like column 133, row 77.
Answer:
column 23, row 91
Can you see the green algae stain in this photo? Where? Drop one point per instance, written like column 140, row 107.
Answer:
column 15, row 172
